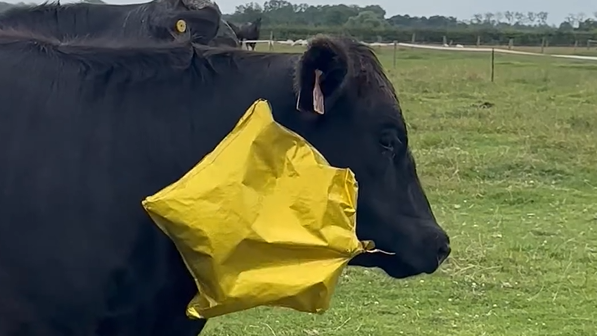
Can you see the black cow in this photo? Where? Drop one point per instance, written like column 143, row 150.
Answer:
column 247, row 32
column 88, row 129
column 156, row 20
column 234, row 27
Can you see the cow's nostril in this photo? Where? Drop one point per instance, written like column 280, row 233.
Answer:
column 443, row 252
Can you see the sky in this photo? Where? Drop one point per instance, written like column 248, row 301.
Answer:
column 462, row 9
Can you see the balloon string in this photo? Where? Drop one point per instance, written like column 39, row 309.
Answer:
column 369, row 247
column 380, row 251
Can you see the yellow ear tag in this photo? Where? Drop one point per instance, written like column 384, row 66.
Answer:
column 181, row 26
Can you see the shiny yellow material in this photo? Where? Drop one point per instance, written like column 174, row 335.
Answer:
column 261, row 220
column 181, row 26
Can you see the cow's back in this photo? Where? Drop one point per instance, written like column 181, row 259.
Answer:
column 71, row 20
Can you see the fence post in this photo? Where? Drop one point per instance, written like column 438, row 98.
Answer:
column 478, row 41
column 412, row 39
column 445, row 40
column 575, row 45
column 271, row 41
column 395, row 53
column 543, row 44
column 492, row 63
column 510, row 44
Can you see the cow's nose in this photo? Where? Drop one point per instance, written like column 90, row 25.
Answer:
column 443, row 252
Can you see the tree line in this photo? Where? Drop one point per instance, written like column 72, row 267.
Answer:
column 370, row 23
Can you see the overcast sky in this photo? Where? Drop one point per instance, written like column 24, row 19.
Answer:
column 462, row 9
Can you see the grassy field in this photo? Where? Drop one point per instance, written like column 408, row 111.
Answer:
column 581, row 50
column 511, row 171
column 558, row 50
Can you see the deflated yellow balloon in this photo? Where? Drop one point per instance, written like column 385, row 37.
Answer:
column 262, row 220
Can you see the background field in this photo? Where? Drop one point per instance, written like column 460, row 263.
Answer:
column 511, row 171
column 582, row 51
column 557, row 50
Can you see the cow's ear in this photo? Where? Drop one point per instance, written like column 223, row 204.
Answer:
column 321, row 74
column 201, row 24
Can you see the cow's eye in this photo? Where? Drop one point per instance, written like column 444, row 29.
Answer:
column 387, row 144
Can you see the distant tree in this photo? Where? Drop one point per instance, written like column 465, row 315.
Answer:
column 381, row 13
column 520, row 18
column 531, row 17
column 566, row 26
column 247, row 12
column 478, row 18
column 489, row 18
column 300, row 8
column 366, row 19
column 337, row 15
column 589, row 24
column 542, row 17
column 509, row 17
column 569, row 20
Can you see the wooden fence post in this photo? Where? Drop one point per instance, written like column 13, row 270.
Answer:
column 271, row 41
column 492, row 63
column 395, row 53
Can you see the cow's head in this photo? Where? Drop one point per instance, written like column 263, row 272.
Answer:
column 184, row 19
column 351, row 114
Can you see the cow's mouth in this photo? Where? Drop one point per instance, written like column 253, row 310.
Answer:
column 393, row 265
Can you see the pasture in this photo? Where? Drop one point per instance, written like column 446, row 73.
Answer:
column 511, row 171
column 583, row 51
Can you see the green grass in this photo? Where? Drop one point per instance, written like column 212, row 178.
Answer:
column 581, row 50
column 515, row 185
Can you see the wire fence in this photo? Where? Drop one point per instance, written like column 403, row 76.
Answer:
column 458, row 47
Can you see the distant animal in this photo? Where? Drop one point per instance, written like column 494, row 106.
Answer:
column 247, row 32
column 90, row 127
column 159, row 20
column 234, row 27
